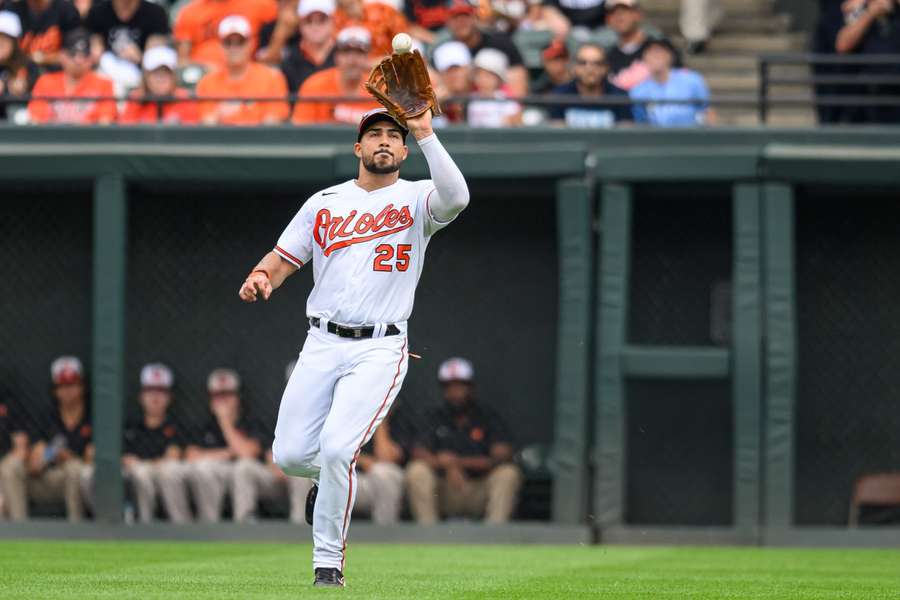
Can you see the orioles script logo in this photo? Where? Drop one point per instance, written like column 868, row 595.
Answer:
column 333, row 233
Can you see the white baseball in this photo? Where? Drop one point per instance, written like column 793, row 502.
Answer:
column 402, row 43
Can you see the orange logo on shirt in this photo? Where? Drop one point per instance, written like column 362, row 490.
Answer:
column 169, row 431
column 477, row 434
column 85, row 430
column 388, row 221
column 47, row 41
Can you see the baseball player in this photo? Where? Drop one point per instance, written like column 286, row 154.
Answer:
column 152, row 449
column 366, row 239
column 58, row 465
column 230, row 442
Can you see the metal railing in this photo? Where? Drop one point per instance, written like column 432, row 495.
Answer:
column 850, row 80
column 763, row 100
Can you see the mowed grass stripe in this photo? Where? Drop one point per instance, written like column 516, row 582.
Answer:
column 200, row 571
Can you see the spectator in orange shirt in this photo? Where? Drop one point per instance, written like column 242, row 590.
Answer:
column 198, row 22
column 159, row 81
column 241, row 78
column 345, row 79
column 382, row 21
column 77, row 79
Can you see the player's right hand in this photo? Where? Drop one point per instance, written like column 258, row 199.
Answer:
column 256, row 284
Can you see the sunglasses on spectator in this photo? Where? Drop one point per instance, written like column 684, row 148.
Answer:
column 234, row 42
column 594, row 63
column 77, row 53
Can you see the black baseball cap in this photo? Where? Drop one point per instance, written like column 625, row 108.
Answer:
column 668, row 45
column 379, row 114
column 77, row 41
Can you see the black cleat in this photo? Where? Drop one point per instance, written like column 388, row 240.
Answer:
column 328, row 577
column 311, row 506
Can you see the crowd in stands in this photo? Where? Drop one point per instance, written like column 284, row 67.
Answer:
column 457, row 461
column 258, row 62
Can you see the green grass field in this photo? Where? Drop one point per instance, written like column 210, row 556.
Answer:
column 78, row 570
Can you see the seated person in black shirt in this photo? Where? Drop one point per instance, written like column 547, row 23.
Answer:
column 463, row 27
column 152, row 448
column 45, row 24
column 315, row 50
column 275, row 37
column 555, row 59
column 626, row 69
column 57, row 465
column 229, row 442
column 271, row 482
column 462, row 463
column 379, row 476
column 591, row 83
column 13, row 448
column 873, row 27
column 120, row 32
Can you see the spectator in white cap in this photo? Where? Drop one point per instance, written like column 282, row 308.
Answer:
column 453, row 63
column 18, row 73
column 463, row 460
column 57, row 465
column 159, row 82
column 230, row 441
column 315, row 51
column 121, row 31
column 492, row 108
column 346, row 79
column 152, row 450
column 195, row 28
column 239, row 78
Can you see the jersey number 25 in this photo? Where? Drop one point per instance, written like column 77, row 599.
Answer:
column 386, row 252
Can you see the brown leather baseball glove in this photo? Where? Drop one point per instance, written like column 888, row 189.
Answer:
column 401, row 83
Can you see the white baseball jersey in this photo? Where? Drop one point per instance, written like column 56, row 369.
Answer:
column 367, row 249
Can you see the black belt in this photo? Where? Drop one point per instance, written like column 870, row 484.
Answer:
column 343, row 331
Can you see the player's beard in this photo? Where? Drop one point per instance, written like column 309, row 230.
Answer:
column 370, row 164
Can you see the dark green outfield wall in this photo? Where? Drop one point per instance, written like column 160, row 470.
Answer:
column 690, row 318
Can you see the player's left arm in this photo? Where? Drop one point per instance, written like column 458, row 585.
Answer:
column 451, row 195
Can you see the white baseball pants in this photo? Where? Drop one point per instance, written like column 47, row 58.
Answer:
column 338, row 394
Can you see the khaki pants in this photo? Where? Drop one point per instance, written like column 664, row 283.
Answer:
column 699, row 18
column 61, row 482
column 254, row 480
column 209, row 480
column 493, row 496
column 166, row 479
column 379, row 492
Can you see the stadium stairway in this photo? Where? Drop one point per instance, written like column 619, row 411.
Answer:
column 730, row 63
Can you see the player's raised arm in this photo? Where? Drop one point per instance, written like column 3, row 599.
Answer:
column 452, row 193
column 266, row 277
